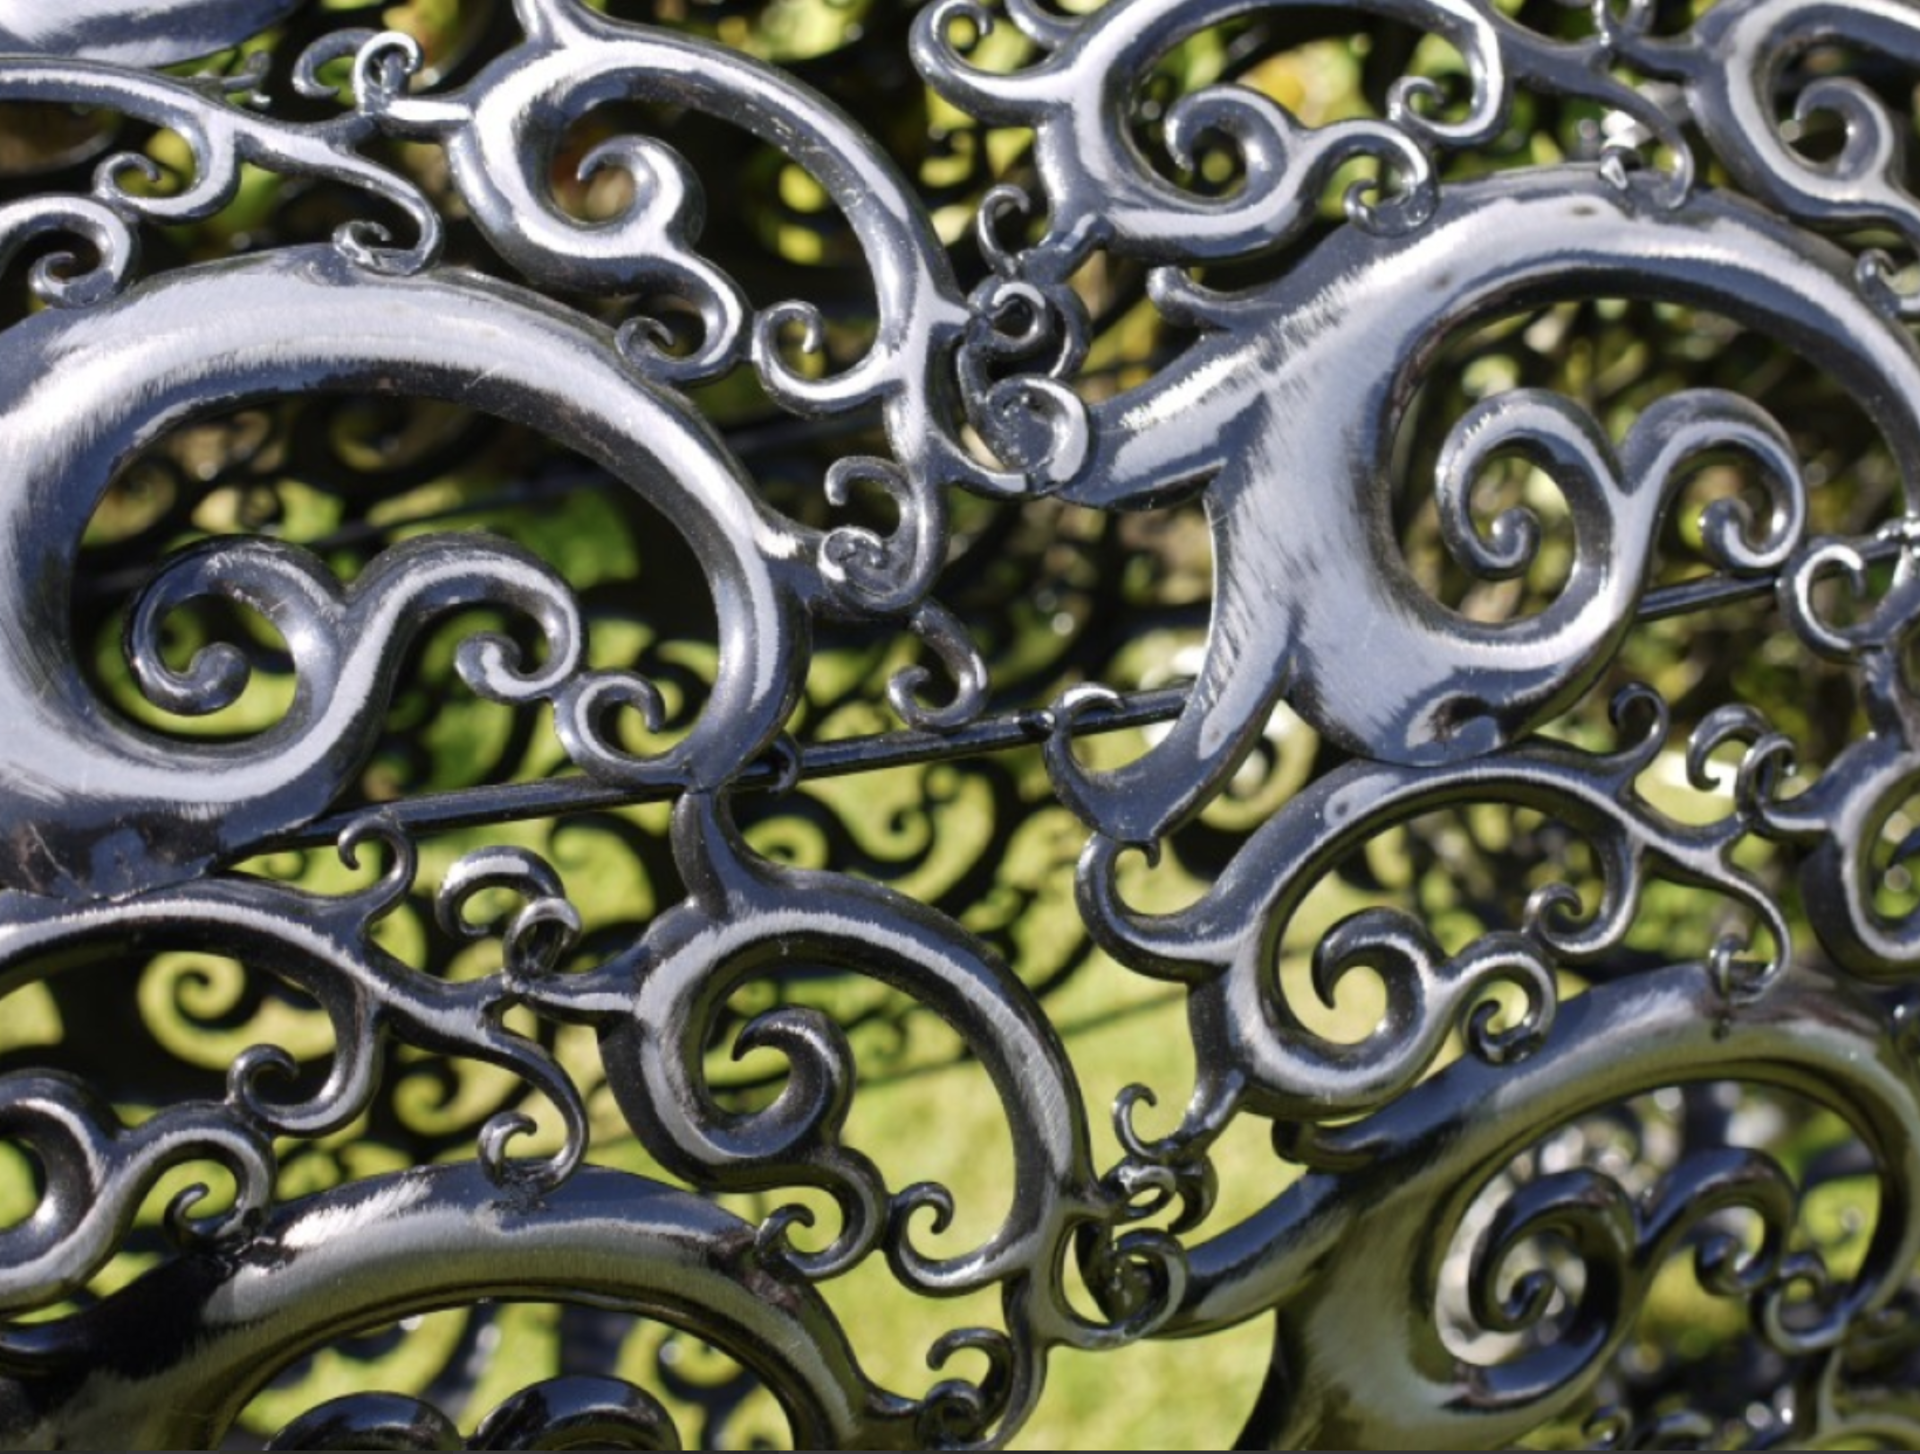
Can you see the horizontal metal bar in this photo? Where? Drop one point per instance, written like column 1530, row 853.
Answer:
column 559, row 796
column 1703, row 592
column 555, row 797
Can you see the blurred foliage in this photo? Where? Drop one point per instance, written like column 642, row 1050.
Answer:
column 1055, row 596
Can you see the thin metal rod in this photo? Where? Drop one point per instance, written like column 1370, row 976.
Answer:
column 557, row 797
column 1704, row 592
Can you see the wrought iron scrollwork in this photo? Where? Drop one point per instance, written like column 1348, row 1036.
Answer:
column 760, row 737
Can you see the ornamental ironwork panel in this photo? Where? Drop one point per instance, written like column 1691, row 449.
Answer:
column 669, row 674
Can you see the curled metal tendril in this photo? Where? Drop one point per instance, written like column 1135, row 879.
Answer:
column 1843, row 815
column 431, row 337
column 1284, row 417
column 1732, row 64
column 745, row 914
column 1100, row 193
column 1340, row 339
column 1383, row 1182
column 500, row 127
column 96, row 1172
column 1268, row 1061
column 323, row 945
column 222, row 138
column 60, row 278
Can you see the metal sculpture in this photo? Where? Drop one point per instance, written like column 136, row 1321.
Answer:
column 1436, row 1278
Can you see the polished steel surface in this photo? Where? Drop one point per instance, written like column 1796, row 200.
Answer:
column 1411, row 1303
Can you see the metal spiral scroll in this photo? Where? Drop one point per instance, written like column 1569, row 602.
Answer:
column 1471, row 1203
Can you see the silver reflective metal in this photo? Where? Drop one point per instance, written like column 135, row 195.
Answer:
column 1285, row 415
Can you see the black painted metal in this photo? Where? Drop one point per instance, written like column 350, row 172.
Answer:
column 1463, row 1259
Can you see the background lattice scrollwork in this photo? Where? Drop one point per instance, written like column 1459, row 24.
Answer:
column 760, row 721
